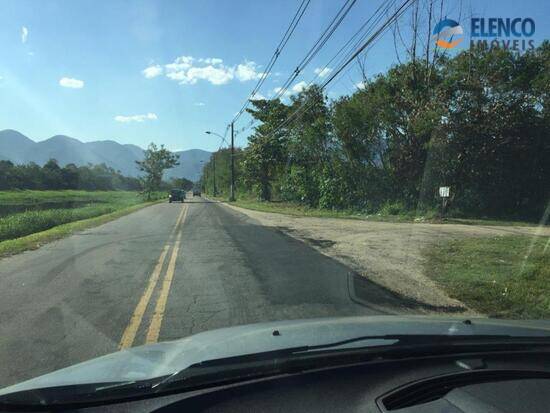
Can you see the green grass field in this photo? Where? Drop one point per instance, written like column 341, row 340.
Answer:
column 506, row 277
column 30, row 196
column 27, row 214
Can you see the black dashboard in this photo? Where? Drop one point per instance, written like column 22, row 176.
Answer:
column 510, row 383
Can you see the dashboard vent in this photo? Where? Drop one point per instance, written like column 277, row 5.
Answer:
column 434, row 388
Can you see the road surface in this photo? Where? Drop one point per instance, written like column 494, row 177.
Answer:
column 162, row 273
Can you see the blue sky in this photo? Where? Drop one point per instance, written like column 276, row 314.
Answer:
column 78, row 68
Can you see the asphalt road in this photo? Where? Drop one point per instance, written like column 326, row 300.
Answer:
column 163, row 273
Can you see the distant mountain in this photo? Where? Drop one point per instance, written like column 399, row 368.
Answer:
column 190, row 166
column 19, row 149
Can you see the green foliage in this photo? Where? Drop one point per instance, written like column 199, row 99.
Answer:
column 181, row 183
column 28, row 212
column 477, row 122
column 217, row 171
column 266, row 149
column 155, row 161
column 393, row 208
column 53, row 177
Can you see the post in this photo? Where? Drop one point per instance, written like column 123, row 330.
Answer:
column 214, row 167
column 232, row 187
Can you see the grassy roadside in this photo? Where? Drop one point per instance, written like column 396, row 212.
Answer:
column 506, row 277
column 34, row 241
column 30, row 196
column 24, row 213
column 288, row 208
column 29, row 218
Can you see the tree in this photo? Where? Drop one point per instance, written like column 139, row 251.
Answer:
column 52, row 175
column 267, row 147
column 310, row 146
column 182, row 183
column 156, row 161
column 6, row 175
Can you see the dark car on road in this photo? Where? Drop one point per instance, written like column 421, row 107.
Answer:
column 176, row 195
column 196, row 192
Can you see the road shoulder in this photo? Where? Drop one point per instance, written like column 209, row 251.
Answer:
column 387, row 253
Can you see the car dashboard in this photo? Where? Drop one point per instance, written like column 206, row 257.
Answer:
column 485, row 383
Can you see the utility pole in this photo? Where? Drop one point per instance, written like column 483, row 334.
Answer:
column 232, row 188
column 214, row 167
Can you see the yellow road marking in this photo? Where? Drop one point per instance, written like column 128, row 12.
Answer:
column 135, row 321
column 156, row 321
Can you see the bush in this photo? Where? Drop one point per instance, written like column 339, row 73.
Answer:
column 393, row 208
column 29, row 222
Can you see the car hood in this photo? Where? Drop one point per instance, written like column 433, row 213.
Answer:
column 161, row 359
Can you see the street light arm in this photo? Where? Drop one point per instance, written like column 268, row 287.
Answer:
column 214, row 133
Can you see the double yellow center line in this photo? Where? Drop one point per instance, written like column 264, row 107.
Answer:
column 153, row 331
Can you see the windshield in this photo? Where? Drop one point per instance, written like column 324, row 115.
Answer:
column 175, row 168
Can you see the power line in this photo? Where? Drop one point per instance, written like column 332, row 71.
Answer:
column 368, row 43
column 286, row 37
column 378, row 14
column 375, row 18
column 318, row 45
column 314, row 50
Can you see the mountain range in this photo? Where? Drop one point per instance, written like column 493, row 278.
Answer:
column 19, row 149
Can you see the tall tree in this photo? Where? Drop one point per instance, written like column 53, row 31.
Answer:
column 267, row 146
column 156, row 160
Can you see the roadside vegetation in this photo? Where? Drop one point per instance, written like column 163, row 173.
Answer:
column 37, row 239
column 504, row 276
column 385, row 214
column 296, row 209
column 47, row 202
column 477, row 122
column 27, row 212
column 31, row 217
column 52, row 176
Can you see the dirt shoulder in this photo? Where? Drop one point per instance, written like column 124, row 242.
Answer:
column 390, row 254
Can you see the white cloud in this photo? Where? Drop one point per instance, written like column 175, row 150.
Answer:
column 152, row 71
column 360, row 85
column 181, row 63
column 189, row 70
column 135, row 118
column 323, row 72
column 298, row 87
column 24, row 34
column 199, row 104
column 277, row 92
column 217, row 75
column 248, row 71
column 71, row 83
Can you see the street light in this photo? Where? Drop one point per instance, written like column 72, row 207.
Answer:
column 232, row 186
column 214, row 133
